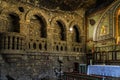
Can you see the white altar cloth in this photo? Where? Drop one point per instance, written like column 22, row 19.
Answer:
column 104, row 70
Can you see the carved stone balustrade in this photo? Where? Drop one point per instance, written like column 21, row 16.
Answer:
column 12, row 43
column 76, row 47
column 60, row 46
column 38, row 45
column 16, row 43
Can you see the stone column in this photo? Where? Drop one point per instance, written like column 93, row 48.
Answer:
column 50, row 39
column 24, row 29
column 11, row 38
column 18, row 43
column 69, row 40
column 43, row 48
column 6, row 42
column 22, row 44
column 15, row 43
column 2, row 42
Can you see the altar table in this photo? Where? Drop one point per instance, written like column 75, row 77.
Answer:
column 104, row 70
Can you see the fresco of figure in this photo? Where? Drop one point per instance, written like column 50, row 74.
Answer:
column 103, row 30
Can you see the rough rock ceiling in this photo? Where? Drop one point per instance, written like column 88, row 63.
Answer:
column 71, row 5
column 100, row 4
column 66, row 5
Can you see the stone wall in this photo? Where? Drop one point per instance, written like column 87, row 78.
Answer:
column 32, row 68
column 33, row 40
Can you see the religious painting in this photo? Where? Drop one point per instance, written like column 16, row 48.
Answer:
column 104, row 30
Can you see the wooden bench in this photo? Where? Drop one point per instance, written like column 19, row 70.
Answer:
column 78, row 76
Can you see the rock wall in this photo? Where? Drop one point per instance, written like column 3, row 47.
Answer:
column 34, row 40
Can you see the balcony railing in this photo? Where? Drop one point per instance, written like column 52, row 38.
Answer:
column 38, row 45
column 78, row 76
column 107, row 54
column 12, row 42
column 107, row 48
column 76, row 47
column 60, row 46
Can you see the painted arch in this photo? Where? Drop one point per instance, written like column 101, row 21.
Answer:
column 106, row 26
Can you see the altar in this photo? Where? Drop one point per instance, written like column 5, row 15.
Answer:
column 104, row 70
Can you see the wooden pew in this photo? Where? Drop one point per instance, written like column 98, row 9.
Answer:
column 78, row 76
